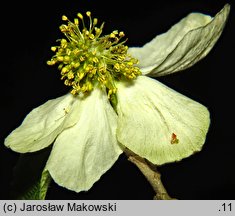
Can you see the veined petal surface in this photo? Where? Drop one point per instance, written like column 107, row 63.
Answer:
column 182, row 46
column 158, row 123
column 84, row 152
column 41, row 126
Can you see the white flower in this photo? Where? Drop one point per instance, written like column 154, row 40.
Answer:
column 150, row 119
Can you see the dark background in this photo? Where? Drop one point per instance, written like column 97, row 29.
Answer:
column 28, row 30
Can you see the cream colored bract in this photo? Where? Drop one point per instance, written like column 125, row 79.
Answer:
column 150, row 119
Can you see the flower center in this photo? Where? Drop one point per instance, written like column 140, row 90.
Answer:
column 87, row 59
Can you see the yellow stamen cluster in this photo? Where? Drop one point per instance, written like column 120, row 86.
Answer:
column 87, row 59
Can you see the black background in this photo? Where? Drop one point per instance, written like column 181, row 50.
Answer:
column 28, row 30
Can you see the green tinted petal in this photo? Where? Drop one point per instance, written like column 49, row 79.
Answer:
column 84, row 152
column 182, row 46
column 43, row 124
column 158, row 123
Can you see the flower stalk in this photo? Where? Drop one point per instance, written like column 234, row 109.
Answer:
column 152, row 175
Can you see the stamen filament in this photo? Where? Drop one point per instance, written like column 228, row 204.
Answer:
column 87, row 59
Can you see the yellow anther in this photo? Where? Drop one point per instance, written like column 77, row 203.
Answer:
column 66, row 82
column 63, row 28
column 76, row 22
column 88, row 13
column 87, row 32
column 95, row 60
column 87, row 68
column 70, row 75
column 53, row 49
column 66, row 58
column 115, row 32
column 89, row 86
column 112, row 35
column 63, row 41
column 110, row 92
column 60, row 58
column 64, row 70
column 97, row 30
column 91, row 36
column 68, row 51
column 95, row 21
column 81, row 75
column 82, row 58
column 64, row 18
column 73, row 91
column 117, row 66
column 93, row 71
column 84, row 88
column 51, row 62
column 80, row 16
column 121, row 34
column 76, row 65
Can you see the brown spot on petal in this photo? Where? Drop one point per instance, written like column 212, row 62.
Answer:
column 174, row 139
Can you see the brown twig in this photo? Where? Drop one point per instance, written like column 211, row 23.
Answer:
column 151, row 174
